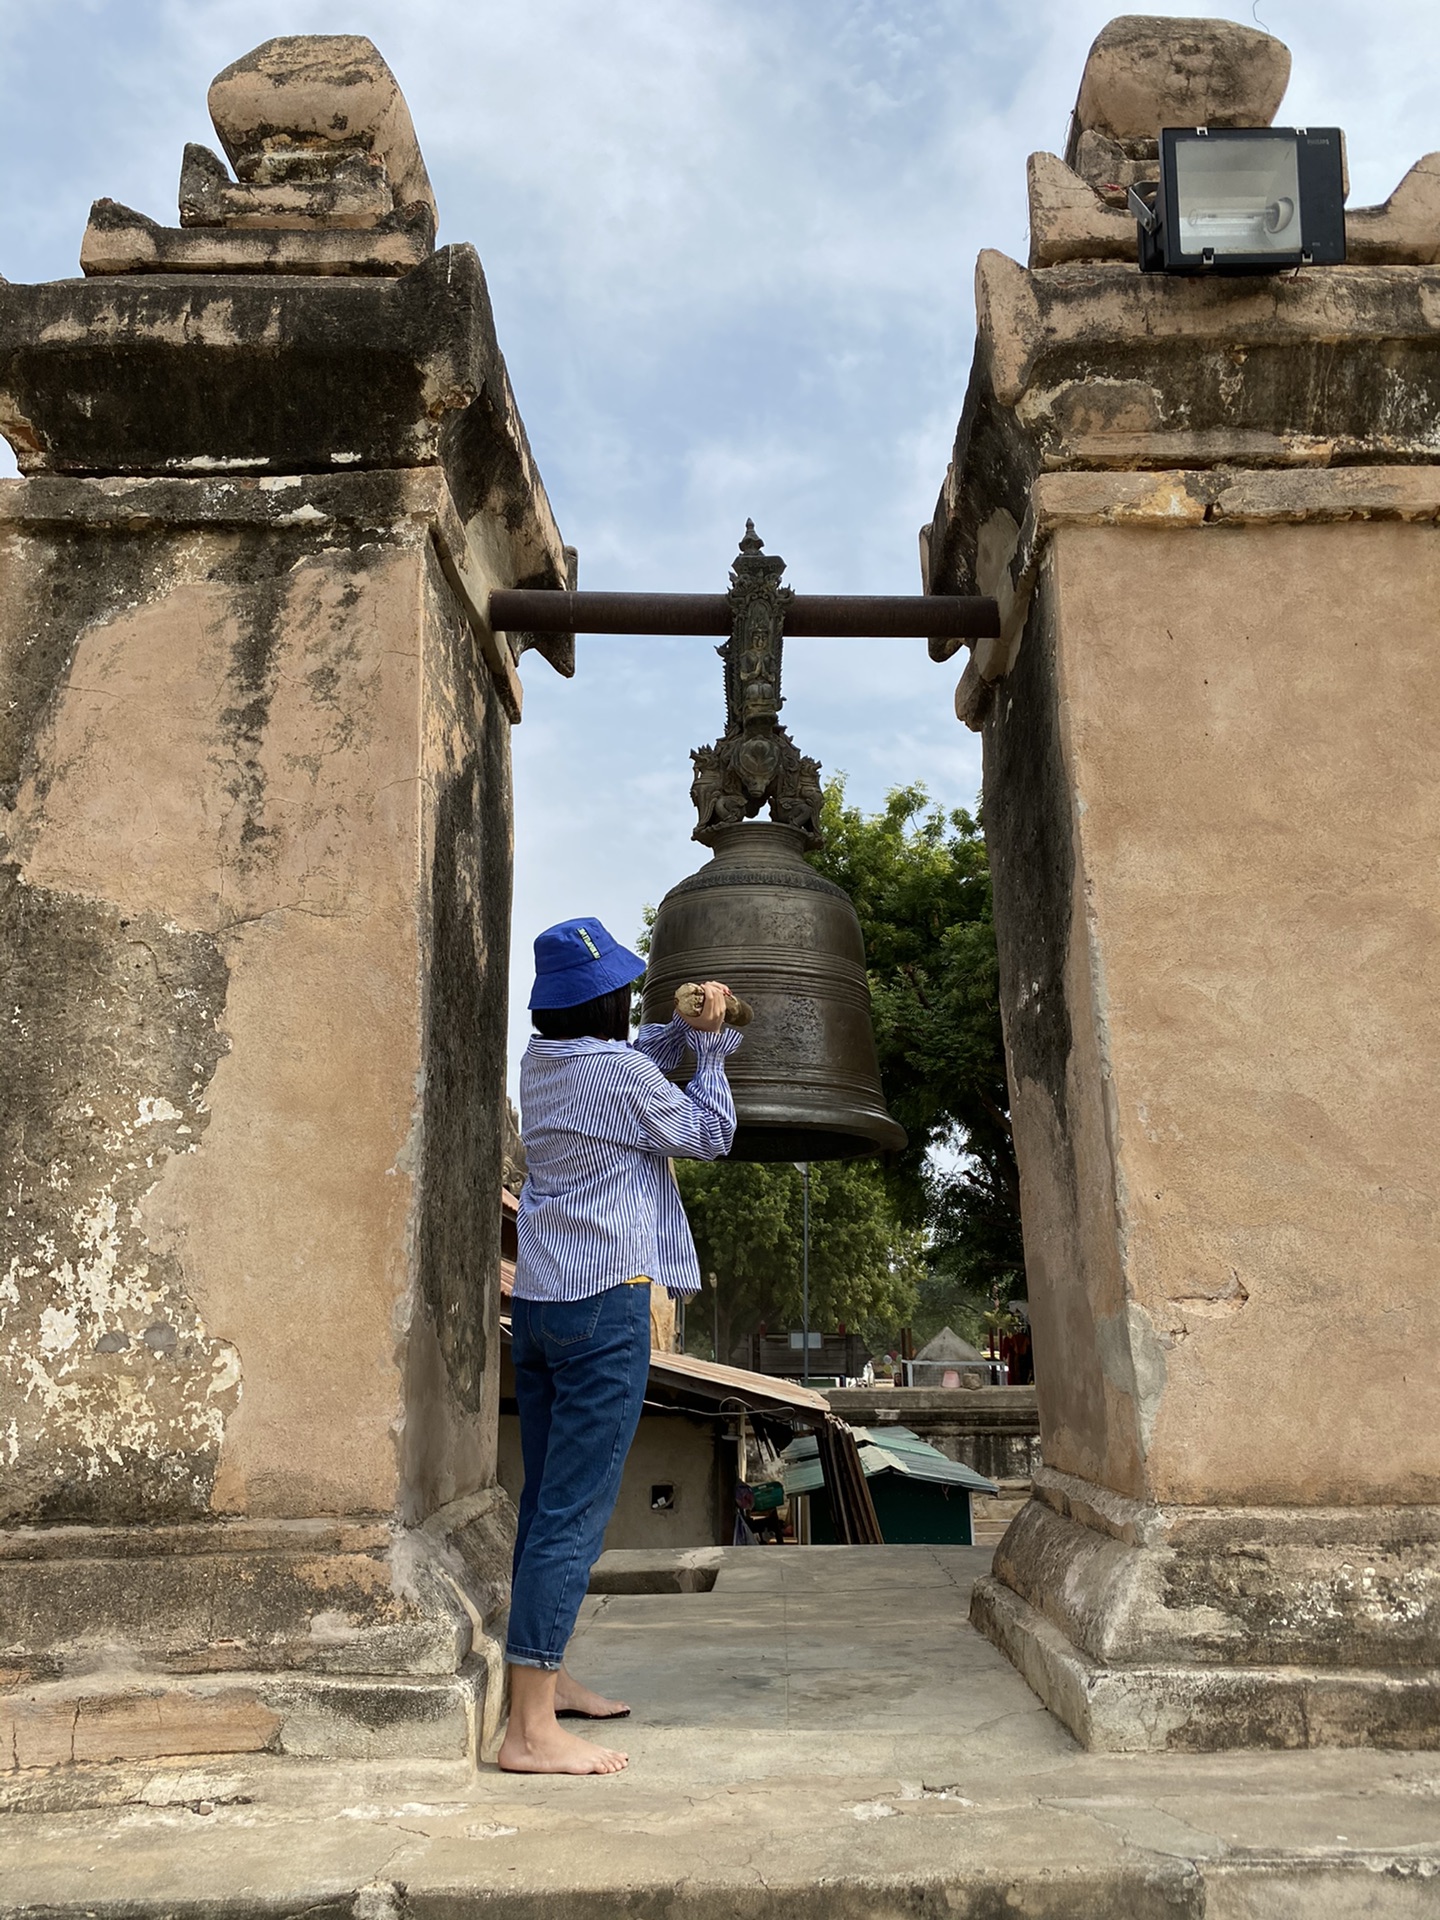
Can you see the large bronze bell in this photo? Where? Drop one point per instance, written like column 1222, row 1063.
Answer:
column 760, row 918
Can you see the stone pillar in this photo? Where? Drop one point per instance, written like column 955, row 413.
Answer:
column 255, row 851
column 1211, row 511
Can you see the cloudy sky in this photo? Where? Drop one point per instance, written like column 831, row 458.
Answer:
column 730, row 247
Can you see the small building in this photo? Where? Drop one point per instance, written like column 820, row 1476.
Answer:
column 685, row 1464
column 831, row 1356
column 921, row 1498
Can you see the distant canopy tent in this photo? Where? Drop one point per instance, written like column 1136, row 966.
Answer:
column 946, row 1354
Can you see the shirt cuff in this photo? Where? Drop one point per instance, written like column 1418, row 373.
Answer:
column 714, row 1046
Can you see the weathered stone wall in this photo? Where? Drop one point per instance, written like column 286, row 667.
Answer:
column 255, row 849
column 450, row 1431
column 1207, row 510
column 237, row 936
column 1073, row 1271
column 1256, row 817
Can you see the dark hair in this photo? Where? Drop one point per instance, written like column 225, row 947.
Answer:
column 605, row 1018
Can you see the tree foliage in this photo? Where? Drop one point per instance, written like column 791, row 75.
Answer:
column 920, row 880
column 865, row 1264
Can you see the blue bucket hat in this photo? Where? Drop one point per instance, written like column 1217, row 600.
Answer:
column 578, row 961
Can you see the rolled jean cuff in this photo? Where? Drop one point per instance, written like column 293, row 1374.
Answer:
column 520, row 1657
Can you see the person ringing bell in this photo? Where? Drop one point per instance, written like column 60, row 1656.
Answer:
column 600, row 1221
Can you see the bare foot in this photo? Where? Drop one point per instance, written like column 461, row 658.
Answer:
column 572, row 1698
column 552, row 1750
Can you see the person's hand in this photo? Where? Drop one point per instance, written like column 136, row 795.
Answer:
column 711, row 1017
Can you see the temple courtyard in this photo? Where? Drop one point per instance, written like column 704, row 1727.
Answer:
column 822, row 1732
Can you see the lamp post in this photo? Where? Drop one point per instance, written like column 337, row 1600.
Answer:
column 803, row 1166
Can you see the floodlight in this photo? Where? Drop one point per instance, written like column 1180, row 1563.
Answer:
column 1243, row 200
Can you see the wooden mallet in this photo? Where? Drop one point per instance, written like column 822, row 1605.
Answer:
column 691, row 997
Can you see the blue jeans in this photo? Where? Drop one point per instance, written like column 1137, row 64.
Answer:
column 580, row 1373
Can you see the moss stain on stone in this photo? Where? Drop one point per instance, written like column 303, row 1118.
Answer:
column 114, row 1396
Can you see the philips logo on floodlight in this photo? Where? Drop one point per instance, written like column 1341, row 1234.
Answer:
column 1243, row 200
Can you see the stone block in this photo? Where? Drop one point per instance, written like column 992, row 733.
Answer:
column 1069, row 220
column 119, row 240
column 1093, row 368
column 284, row 377
column 657, row 1570
column 339, row 1597
column 1135, row 1584
column 308, row 94
column 323, row 143
column 351, row 190
column 120, row 1717
column 1161, row 1707
column 1405, row 230
column 1144, row 72
column 1113, row 166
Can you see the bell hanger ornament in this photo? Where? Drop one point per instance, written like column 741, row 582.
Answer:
column 759, row 917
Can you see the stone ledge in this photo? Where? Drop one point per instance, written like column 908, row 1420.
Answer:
column 119, row 1717
column 353, row 1535
column 1175, row 500
column 1027, row 316
column 657, row 1570
column 120, row 241
column 1337, row 1590
column 369, row 502
column 204, row 1601
column 1178, row 1708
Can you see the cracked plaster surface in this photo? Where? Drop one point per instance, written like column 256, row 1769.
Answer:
column 226, row 771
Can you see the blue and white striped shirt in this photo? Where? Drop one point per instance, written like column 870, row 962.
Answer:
column 600, row 1121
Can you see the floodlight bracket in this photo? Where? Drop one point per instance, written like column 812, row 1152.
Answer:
column 1144, row 210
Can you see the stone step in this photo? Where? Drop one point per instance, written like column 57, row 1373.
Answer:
column 139, row 1717
column 992, row 1516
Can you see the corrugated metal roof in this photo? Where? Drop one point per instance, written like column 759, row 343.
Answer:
column 884, row 1450
column 678, row 1372
column 755, row 1389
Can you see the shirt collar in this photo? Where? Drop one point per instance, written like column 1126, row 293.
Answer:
column 557, row 1049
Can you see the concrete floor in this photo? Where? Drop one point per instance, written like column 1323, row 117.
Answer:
column 819, row 1640
column 822, row 1734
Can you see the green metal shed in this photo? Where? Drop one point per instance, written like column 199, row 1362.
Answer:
column 921, row 1498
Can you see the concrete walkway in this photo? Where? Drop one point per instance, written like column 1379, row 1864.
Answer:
column 822, row 1734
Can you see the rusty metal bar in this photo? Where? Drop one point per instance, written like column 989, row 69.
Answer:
column 833, row 616
column 886, row 616
column 543, row 610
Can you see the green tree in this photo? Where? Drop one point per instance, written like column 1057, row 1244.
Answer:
column 865, row 1264
column 920, row 880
